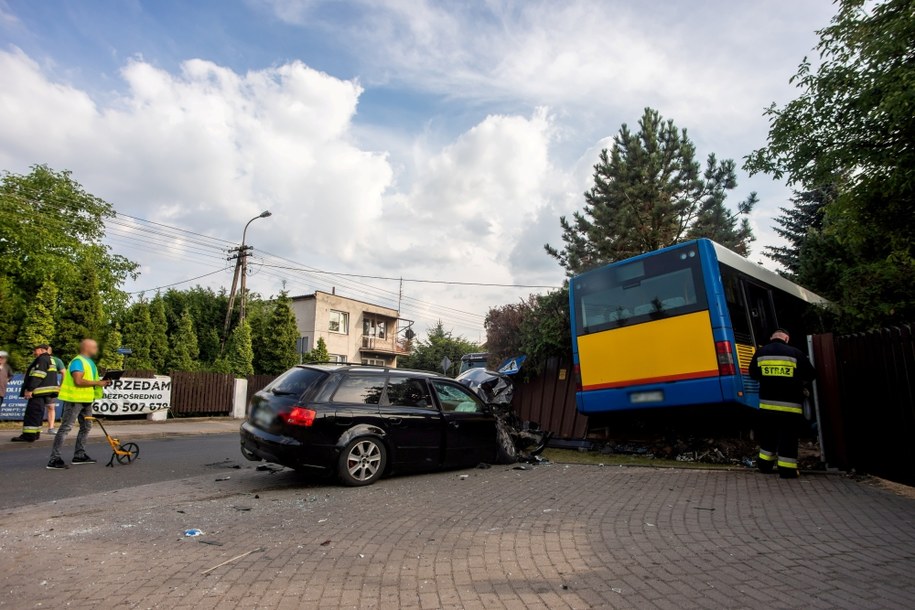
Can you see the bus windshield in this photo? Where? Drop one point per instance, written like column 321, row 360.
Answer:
column 658, row 286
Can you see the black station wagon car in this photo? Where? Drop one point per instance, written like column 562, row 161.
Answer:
column 361, row 422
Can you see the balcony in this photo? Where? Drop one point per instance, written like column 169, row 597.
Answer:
column 377, row 345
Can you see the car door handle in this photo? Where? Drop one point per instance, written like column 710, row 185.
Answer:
column 454, row 424
column 395, row 421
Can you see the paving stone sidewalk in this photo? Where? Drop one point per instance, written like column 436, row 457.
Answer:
column 549, row 537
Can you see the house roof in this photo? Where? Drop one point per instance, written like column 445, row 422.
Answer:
column 305, row 297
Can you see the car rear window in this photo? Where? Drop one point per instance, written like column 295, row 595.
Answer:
column 295, row 381
column 365, row 389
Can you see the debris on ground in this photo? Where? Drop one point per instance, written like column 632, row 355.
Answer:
column 325, row 543
column 236, row 558
column 463, row 477
column 222, row 479
column 193, row 533
column 269, row 468
column 520, row 467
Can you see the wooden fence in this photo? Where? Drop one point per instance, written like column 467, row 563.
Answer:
column 549, row 399
column 256, row 383
column 867, row 401
column 202, row 393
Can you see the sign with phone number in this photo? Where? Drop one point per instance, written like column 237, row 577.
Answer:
column 126, row 396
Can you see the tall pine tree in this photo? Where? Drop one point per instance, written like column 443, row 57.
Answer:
column 110, row 358
column 796, row 224
column 158, row 345
column 138, row 332
column 39, row 324
column 184, row 352
column 650, row 192
column 239, row 355
column 281, row 333
column 81, row 315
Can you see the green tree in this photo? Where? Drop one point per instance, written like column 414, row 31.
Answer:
column 110, row 358
column 538, row 328
column 80, row 314
column 852, row 126
column 795, row 225
column 184, row 352
column 158, row 343
column 239, row 355
column 47, row 216
column 282, row 333
column 650, row 192
column 138, row 332
column 39, row 324
column 208, row 343
column 439, row 343
column 318, row 354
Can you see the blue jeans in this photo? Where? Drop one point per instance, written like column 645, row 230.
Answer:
column 71, row 412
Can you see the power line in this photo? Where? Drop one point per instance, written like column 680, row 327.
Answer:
column 416, row 280
column 181, row 282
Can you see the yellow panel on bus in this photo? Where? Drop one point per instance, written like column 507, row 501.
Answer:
column 673, row 349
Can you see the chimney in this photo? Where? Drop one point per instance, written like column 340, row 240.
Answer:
column 333, row 290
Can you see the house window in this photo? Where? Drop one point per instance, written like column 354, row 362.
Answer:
column 374, row 328
column 373, row 361
column 338, row 358
column 339, row 322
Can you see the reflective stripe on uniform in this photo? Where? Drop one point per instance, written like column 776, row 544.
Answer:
column 39, row 374
column 31, row 429
column 784, row 462
column 777, row 366
column 777, row 405
column 766, row 455
column 45, row 390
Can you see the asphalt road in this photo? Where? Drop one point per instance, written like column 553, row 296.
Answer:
column 25, row 480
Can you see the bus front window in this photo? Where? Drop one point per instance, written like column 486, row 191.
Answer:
column 655, row 287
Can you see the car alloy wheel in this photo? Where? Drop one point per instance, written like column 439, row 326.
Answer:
column 363, row 461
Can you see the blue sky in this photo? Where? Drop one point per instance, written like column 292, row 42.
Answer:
column 392, row 137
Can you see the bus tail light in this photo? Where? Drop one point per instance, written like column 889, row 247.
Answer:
column 576, row 370
column 725, row 353
column 300, row 416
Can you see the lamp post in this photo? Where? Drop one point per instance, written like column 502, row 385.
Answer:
column 241, row 268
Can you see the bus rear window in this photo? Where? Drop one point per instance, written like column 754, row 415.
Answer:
column 656, row 287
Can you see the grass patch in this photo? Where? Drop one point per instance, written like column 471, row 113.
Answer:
column 571, row 456
column 10, row 425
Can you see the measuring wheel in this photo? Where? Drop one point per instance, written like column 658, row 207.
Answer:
column 127, row 453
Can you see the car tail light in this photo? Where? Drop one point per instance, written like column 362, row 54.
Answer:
column 725, row 358
column 576, row 370
column 300, row 416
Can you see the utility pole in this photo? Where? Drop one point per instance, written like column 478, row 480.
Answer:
column 400, row 296
column 241, row 269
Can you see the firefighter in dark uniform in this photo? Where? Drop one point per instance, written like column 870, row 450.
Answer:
column 783, row 372
column 39, row 387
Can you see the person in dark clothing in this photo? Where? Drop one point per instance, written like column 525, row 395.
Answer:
column 782, row 372
column 39, row 386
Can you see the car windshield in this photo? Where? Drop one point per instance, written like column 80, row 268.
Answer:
column 295, row 382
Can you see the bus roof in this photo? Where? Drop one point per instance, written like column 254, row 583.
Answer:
column 738, row 262
column 735, row 261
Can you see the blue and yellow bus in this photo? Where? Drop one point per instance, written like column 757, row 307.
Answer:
column 678, row 327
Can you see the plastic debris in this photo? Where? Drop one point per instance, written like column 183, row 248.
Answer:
column 223, row 479
column 463, row 477
column 616, row 590
column 519, row 467
column 193, row 533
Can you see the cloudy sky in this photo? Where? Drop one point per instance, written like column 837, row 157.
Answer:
column 392, row 138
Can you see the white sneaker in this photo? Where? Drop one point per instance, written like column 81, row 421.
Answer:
column 52, row 431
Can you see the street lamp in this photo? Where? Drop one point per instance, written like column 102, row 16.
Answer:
column 241, row 268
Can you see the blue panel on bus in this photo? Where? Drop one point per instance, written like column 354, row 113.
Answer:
column 680, row 393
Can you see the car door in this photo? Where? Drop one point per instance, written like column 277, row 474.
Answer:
column 356, row 401
column 413, row 422
column 470, row 428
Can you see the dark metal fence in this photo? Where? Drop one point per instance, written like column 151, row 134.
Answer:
column 549, row 399
column 867, row 401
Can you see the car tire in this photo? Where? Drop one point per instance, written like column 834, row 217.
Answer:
column 362, row 461
column 506, row 452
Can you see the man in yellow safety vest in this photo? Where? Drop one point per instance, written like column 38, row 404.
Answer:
column 80, row 388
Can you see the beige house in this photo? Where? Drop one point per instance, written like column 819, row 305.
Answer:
column 354, row 331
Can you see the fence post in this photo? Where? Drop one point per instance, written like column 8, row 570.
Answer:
column 240, row 399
